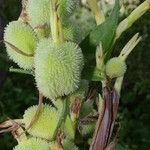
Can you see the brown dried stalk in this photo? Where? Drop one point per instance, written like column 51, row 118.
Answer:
column 101, row 136
column 106, row 122
column 13, row 126
column 37, row 113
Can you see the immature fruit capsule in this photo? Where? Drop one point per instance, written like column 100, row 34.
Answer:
column 66, row 8
column 115, row 67
column 22, row 37
column 32, row 144
column 38, row 12
column 46, row 124
column 84, row 18
column 57, row 68
column 72, row 33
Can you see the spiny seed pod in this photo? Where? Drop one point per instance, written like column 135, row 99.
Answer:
column 42, row 31
column 22, row 37
column 72, row 33
column 84, row 18
column 57, row 68
column 115, row 67
column 32, row 144
column 38, row 12
column 66, row 8
column 55, row 146
column 46, row 124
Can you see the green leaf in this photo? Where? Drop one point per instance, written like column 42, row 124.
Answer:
column 69, row 128
column 104, row 33
column 91, row 74
column 86, row 108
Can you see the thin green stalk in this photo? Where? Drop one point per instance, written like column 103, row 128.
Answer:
column 21, row 71
column 61, row 34
column 118, row 84
column 61, row 119
column 54, row 20
column 134, row 16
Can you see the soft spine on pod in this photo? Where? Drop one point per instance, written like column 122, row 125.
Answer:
column 38, row 12
column 58, row 68
column 23, row 37
column 115, row 67
column 39, row 16
column 84, row 18
column 72, row 32
column 32, row 144
column 46, row 124
column 67, row 7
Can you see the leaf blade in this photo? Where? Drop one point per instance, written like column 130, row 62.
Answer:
column 103, row 33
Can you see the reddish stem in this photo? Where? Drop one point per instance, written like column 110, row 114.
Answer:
column 101, row 137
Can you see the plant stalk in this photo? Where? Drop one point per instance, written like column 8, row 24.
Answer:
column 21, row 71
column 134, row 16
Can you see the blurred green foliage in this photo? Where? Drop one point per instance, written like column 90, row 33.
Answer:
column 19, row 92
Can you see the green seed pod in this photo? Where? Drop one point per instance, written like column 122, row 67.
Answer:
column 57, row 68
column 46, row 124
column 72, row 33
column 55, row 146
column 84, row 18
column 22, row 37
column 66, row 8
column 42, row 32
column 38, row 12
column 115, row 67
column 32, row 144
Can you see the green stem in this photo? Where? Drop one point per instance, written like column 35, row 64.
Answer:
column 54, row 20
column 134, row 16
column 61, row 34
column 61, row 119
column 56, row 29
column 21, row 71
column 118, row 84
